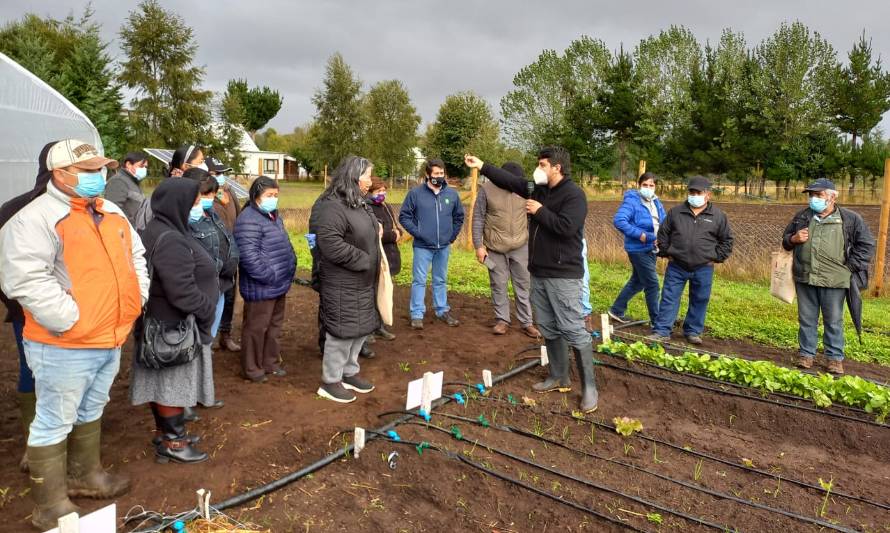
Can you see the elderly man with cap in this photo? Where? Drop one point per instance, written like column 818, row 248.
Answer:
column 226, row 206
column 831, row 245
column 76, row 266
column 694, row 236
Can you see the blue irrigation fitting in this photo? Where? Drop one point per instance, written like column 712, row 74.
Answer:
column 459, row 398
column 481, row 388
column 179, row 525
column 596, row 334
column 393, row 435
column 423, row 414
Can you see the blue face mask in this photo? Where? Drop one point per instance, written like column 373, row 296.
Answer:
column 696, row 200
column 221, row 179
column 818, row 204
column 89, row 184
column 647, row 193
column 206, row 204
column 268, row 204
column 196, row 213
column 141, row 172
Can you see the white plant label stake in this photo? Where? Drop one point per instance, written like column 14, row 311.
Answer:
column 486, row 378
column 606, row 329
column 544, row 360
column 416, row 388
column 359, row 441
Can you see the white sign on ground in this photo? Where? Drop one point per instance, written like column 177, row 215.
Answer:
column 486, row 378
column 358, row 441
column 102, row 521
column 416, row 390
column 606, row 329
column 544, row 359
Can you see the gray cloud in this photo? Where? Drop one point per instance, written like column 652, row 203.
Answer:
column 438, row 48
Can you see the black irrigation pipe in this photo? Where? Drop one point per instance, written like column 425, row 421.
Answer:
column 681, row 348
column 526, row 486
column 686, row 484
column 714, row 458
column 585, row 482
column 746, row 396
column 736, row 385
column 241, row 499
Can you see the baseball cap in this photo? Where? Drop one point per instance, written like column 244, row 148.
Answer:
column 69, row 152
column 215, row 165
column 819, row 185
column 699, row 183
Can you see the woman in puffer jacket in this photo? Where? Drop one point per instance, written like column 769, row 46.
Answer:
column 267, row 265
column 347, row 257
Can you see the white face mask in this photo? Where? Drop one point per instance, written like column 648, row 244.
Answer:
column 540, row 176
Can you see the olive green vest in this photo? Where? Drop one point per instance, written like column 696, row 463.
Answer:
column 822, row 256
column 506, row 222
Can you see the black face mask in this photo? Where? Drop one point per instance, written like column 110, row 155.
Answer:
column 437, row 181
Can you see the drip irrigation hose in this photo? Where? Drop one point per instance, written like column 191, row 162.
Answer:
column 714, row 458
column 526, row 486
column 746, row 396
column 683, row 348
column 736, row 385
column 241, row 499
column 585, row 482
column 686, row 484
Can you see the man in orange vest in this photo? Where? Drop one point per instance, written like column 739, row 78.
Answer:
column 77, row 267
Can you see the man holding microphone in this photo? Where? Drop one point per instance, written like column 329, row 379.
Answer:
column 557, row 209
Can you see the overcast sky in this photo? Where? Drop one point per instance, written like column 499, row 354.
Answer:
column 439, row 48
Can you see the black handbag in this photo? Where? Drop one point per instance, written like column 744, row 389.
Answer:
column 166, row 344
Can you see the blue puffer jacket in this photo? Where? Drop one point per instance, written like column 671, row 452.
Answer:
column 633, row 219
column 268, row 261
column 434, row 220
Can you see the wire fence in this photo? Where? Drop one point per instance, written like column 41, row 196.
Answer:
column 757, row 231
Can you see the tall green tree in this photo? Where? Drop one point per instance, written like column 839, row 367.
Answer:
column 71, row 57
column 338, row 113
column 620, row 100
column 464, row 124
column 169, row 107
column 391, row 123
column 259, row 104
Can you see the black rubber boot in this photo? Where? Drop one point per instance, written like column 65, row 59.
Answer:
column 589, row 395
column 558, row 355
column 49, row 484
column 175, row 445
column 159, row 428
column 366, row 352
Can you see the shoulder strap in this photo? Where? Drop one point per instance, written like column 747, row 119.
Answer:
column 152, row 253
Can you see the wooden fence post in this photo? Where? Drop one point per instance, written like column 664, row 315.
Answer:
column 880, row 262
column 642, row 169
column 474, row 182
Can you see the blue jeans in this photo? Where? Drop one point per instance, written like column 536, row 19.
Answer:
column 220, row 305
column 811, row 300
column 643, row 277
column 26, row 377
column 675, row 277
column 423, row 259
column 72, row 388
column 586, row 308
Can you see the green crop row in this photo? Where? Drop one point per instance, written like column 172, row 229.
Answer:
column 822, row 390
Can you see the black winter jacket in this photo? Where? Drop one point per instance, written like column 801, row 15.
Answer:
column 184, row 278
column 387, row 219
column 693, row 241
column 347, row 258
column 213, row 235
column 555, row 232
column 859, row 244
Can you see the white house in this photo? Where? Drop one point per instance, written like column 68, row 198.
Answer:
column 276, row 165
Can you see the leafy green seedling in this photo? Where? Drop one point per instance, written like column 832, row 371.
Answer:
column 404, row 366
column 826, row 486
column 696, row 473
column 627, row 426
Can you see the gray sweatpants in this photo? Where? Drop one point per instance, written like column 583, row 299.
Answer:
column 340, row 358
column 557, row 304
column 511, row 265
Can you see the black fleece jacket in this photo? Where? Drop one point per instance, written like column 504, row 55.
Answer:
column 693, row 241
column 555, row 232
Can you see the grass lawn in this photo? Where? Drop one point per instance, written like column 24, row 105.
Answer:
column 738, row 310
